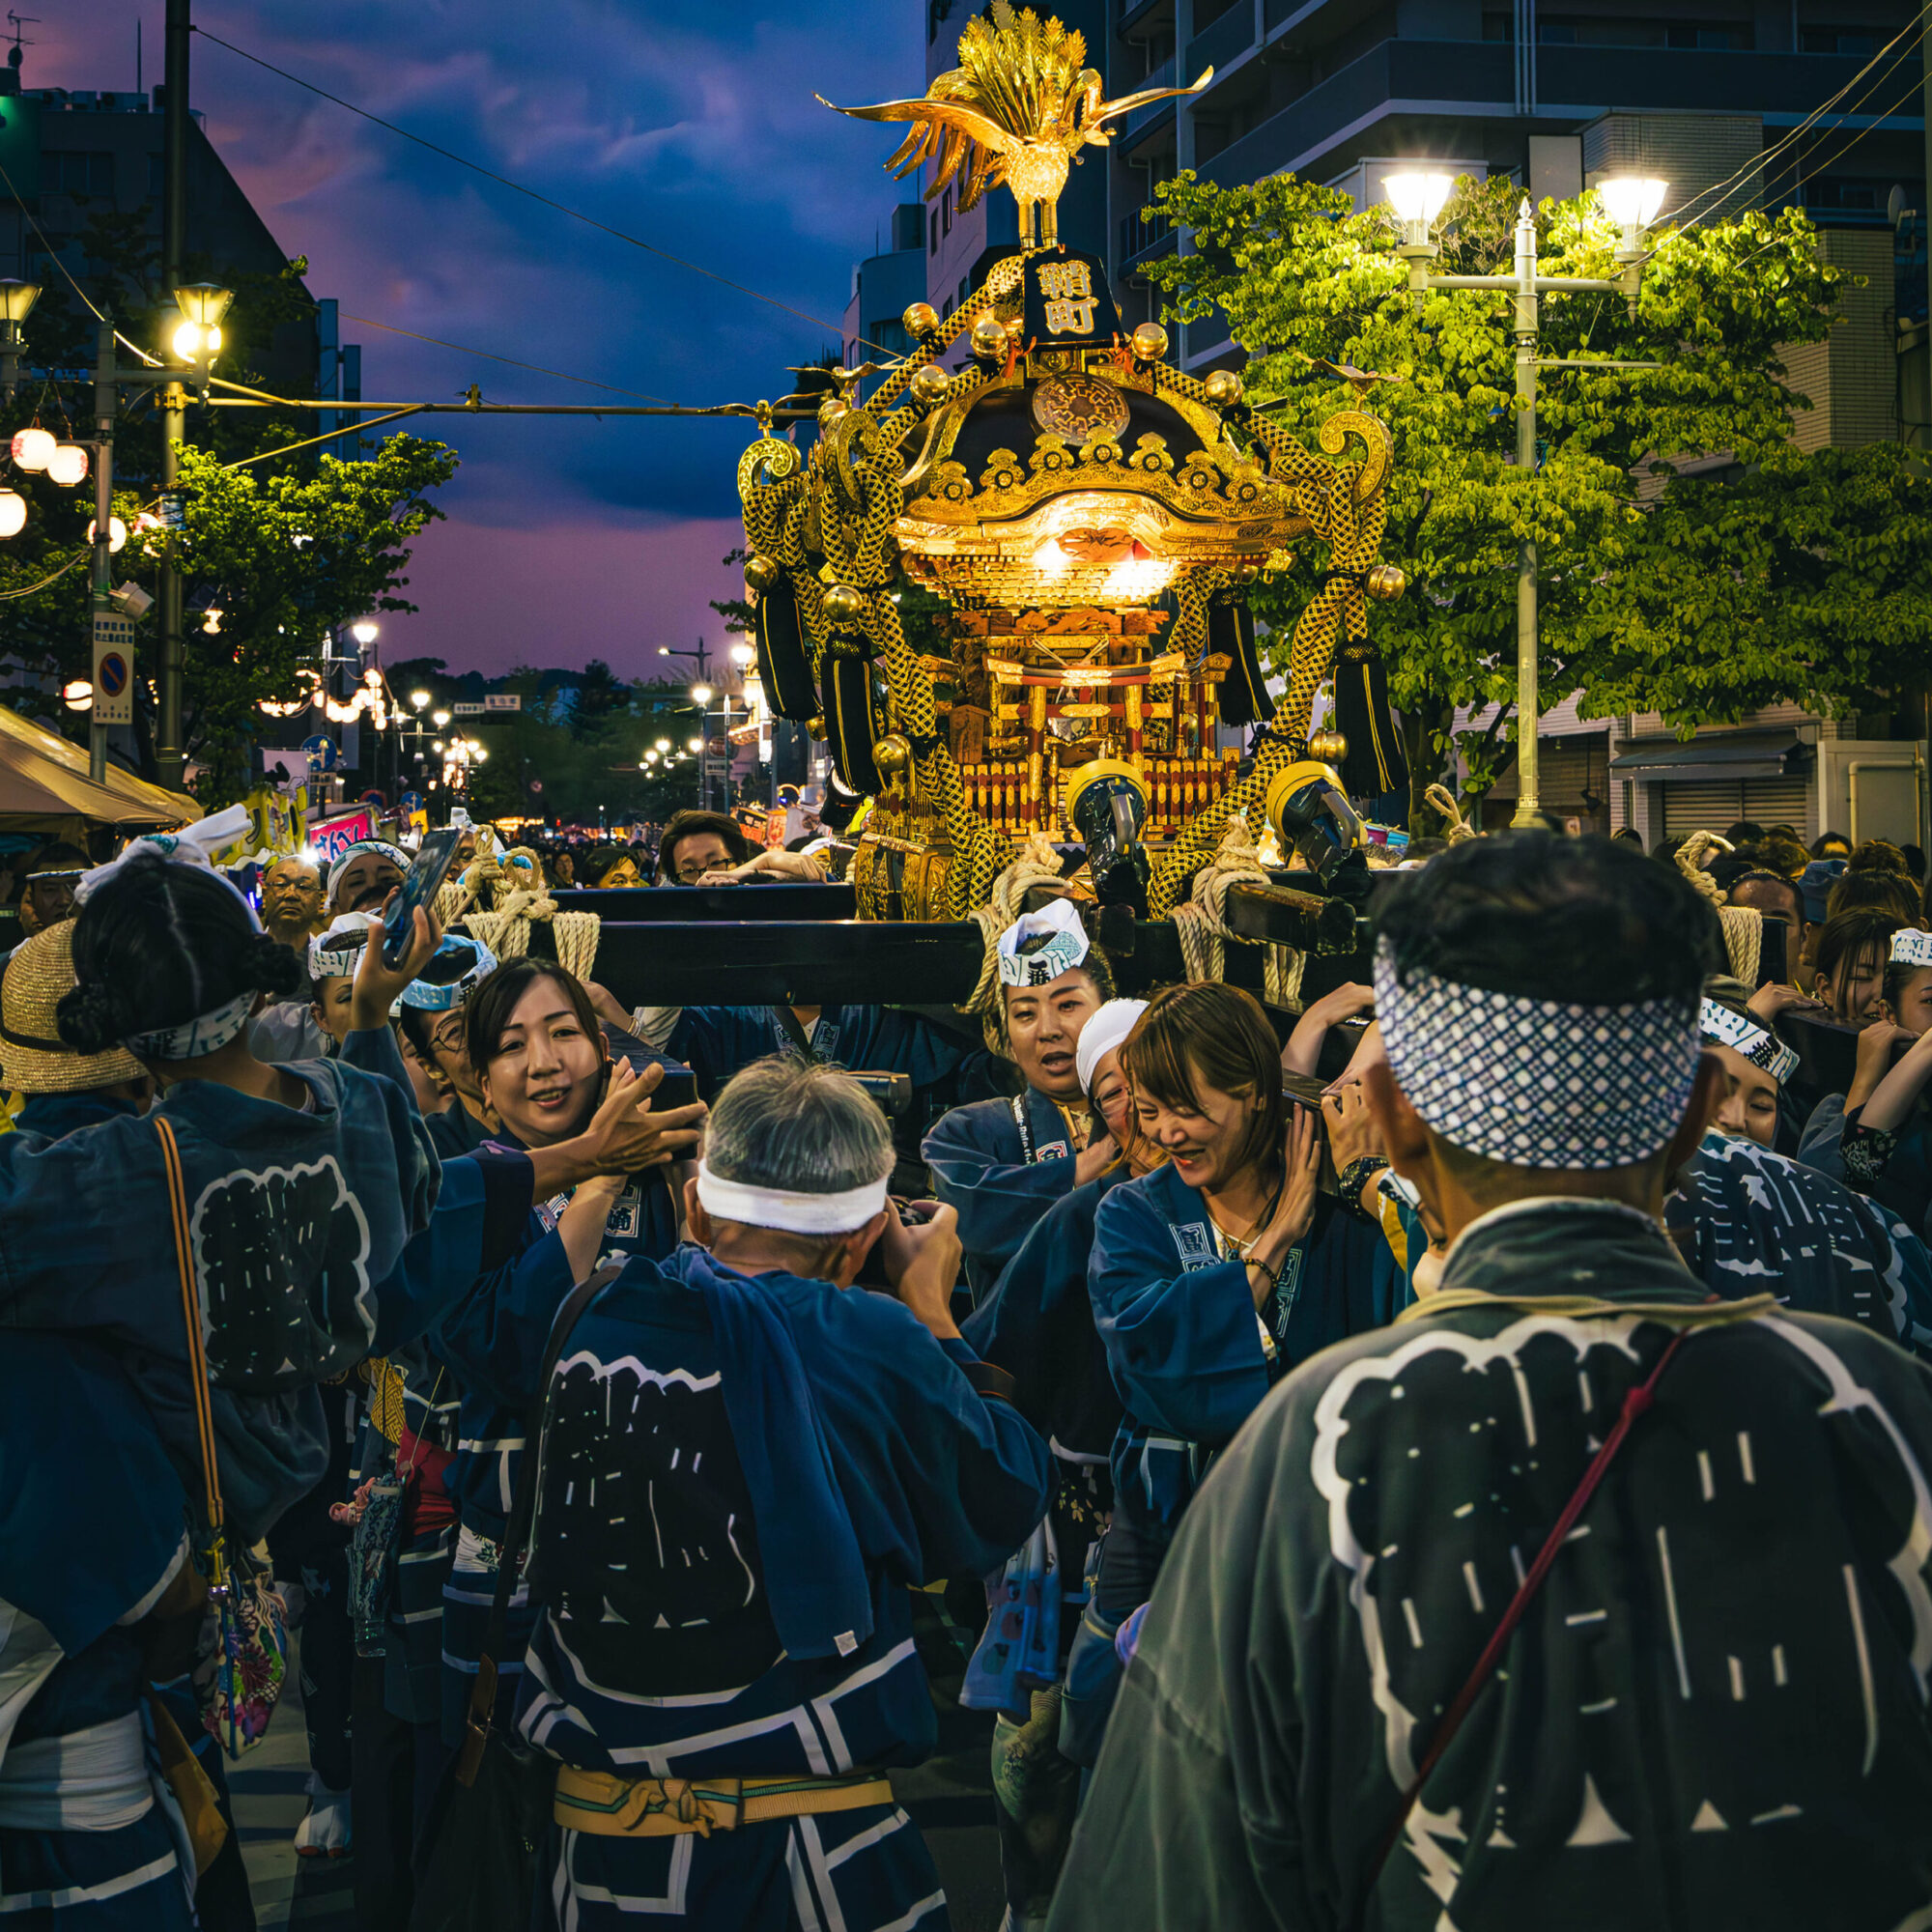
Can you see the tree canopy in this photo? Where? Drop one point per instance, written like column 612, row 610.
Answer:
column 1806, row 578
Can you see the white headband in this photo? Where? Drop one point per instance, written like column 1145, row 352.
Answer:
column 380, row 847
column 192, row 845
column 792, row 1213
column 328, row 958
column 1537, row 1082
column 1911, row 947
column 1726, row 1028
column 1103, row 1032
column 1057, row 922
column 206, row 1032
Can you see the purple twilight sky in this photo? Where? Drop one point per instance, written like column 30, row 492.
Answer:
column 691, row 126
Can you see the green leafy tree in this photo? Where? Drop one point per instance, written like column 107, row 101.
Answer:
column 1301, row 276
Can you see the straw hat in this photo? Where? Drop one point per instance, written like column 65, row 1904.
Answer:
column 34, row 1059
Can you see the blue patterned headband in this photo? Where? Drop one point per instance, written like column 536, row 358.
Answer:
column 1057, row 922
column 331, row 955
column 1724, row 1028
column 1537, row 1082
column 206, row 1032
column 1911, row 947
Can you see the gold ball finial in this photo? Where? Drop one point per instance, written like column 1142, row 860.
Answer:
column 816, row 727
column 919, row 319
column 831, row 410
column 1224, row 389
column 929, row 385
column 1330, row 747
column 1246, row 573
column 1387, row 581
column 761, row 572
column 893, row 754
column 843, row 602
column 989, row 339
column 1149, row 342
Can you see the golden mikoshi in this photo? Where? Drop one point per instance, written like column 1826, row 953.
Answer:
column 1089, row 515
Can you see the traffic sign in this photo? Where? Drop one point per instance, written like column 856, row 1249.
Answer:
column 113, row 659
column 503, row 701
column 412, row 801
column 322, row 752
column 464, row 708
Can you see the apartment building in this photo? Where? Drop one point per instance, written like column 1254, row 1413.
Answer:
column 70, row 153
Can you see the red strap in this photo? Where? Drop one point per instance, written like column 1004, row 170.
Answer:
column 1636, row 1403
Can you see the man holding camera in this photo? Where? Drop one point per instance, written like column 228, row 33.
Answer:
column 748, row 1464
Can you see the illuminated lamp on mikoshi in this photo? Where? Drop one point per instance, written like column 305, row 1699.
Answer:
column 32, row 448
column 68, row 466
column 13, row 513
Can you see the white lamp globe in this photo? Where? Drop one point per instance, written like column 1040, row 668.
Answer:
column 13, row 513
column 32, row 448
column 117, row 533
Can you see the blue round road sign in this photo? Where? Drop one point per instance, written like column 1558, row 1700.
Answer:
column 113, row 675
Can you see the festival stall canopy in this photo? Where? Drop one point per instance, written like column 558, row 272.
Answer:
column 45, row 787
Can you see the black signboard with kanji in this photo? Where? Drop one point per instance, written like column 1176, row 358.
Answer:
column 1067, row 301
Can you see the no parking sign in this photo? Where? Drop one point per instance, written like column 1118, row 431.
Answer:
column 113, row 671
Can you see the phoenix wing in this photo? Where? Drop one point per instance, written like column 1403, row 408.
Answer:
column 947, row 133
column 1112, row 110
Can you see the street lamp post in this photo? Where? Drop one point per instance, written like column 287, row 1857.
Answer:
column 1417, row 200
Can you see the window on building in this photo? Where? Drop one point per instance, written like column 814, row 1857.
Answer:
column 946, row 211
column 947, row 310
column 932, row 246
column 71, row 171
column 1499, row 27
column 965, row 284
column 1582, row 30
column 1862, row 41
column 158, row 174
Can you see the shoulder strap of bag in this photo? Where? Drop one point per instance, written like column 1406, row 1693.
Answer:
column 792, row 1028
column 197, row 1353
column 523, row 1508
column 1636, row 1403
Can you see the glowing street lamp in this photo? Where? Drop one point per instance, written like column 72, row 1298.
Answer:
column 1417, row 198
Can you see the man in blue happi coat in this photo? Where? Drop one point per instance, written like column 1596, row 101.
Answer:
column 748, row 1464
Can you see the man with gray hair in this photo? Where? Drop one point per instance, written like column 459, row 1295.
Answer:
column 748, row 1464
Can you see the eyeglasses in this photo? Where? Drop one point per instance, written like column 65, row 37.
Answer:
column 447, row 1037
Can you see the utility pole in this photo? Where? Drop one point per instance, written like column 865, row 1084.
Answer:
column 169, row 755
column 1528, row 794
column 101, row 602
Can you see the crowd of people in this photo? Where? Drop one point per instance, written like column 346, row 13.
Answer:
column 1463, row 1458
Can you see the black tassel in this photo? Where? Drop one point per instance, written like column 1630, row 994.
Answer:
column 784, row 660
column 1376, row 762
column 1231, row 632
column 850, row 724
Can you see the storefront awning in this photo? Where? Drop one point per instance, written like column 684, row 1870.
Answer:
column 1714, row 757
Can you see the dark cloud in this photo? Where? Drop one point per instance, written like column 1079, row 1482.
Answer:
column 690, row 125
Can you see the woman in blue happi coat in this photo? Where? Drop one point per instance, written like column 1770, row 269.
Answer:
column 1000, row 1164
column 542, row 1063
column 1211, row 1277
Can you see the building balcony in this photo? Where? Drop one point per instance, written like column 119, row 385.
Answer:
column 1142, row 119
column 1221, row 44
column 1142, row 237
column 1463, row 77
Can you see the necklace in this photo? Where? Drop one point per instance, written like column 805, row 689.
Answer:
column 1237, row 1246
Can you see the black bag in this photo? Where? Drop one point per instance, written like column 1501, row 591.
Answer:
column 492, row 1811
